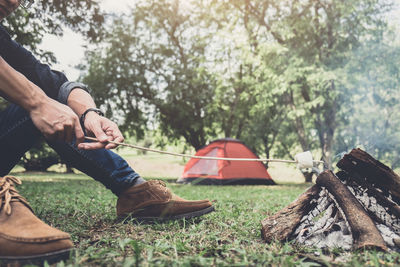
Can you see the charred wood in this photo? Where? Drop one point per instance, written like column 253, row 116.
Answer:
column 325, row 226
column 359, row 211
column 363, row 166
column 384, row 200
column 281, row 225
column 364, row 232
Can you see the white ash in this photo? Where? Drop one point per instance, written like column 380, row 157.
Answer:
column 370, row 204
column 324, row 226
column 322, row 203
column 389, row 227
column 390, row 237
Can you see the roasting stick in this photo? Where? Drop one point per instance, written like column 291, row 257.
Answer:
column 304, row 159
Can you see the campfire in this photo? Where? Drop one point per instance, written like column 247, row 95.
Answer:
column 356, row 208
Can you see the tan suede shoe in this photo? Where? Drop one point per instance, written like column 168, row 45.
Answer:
column 24, row 239
column 153, row 201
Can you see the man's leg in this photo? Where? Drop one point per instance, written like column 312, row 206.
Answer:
column 17, row 135
column 41, row 242
column 143, row 200
column 102, row 165
column 148, row 201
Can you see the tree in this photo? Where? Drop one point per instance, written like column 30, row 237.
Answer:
column 28, row 26
column 39, row 158
column 319, row 38
column 375, row 80
column 153, row 60
column 276, row 74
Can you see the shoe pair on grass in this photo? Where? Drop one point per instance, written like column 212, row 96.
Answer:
column 25, row 239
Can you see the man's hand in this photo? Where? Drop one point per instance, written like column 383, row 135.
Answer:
column 103, row 129
column 56, row 121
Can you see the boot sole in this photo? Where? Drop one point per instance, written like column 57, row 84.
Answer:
column 188, row 215
column 51, row 257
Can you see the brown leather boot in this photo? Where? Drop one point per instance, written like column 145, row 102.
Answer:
column 153, row 201
column 24, row 239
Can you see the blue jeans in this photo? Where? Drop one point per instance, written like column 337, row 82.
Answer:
column 18, row 134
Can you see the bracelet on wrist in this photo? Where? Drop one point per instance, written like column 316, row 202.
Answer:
column 83, row 116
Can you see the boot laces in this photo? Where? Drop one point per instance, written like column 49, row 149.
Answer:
column 162, row 183
column 8, row 193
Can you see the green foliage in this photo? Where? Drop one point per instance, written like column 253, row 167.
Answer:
column 373, row 123
column 282, row 76
column 40, row 157
column 276, row 75
column 302, row 48
column 29, row 26
column 152, row 62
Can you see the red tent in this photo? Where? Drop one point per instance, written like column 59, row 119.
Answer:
column 221, row 172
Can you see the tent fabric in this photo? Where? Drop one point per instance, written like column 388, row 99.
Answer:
column 220, row 172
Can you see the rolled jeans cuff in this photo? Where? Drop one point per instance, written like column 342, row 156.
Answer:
column 66, row 89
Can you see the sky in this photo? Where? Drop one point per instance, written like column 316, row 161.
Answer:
column 69, row 49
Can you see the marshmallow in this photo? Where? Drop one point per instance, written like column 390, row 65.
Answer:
column 304, row 160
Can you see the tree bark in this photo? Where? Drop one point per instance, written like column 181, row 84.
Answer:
column 359, row 163
column 389, row 205
column 365, row 234
column 281, row 225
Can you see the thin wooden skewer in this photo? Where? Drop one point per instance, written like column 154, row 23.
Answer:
column 197, row 157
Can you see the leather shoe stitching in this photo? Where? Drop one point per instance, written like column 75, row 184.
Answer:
column 34, row 240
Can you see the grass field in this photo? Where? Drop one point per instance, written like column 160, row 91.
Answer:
column 228, row 237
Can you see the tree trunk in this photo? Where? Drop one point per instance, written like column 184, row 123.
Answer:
column 308, row 176
column 40, row 164
column 68, row 168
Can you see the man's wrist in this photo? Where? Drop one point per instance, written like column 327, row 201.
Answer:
column 84, row 114
column 36, row 100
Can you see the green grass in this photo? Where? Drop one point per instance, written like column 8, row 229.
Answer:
column 228, row 237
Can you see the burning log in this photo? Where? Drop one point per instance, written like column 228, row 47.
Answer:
column 357, row 209
column 365, row 233
column 281, row 225
column 370, row 170
column 388, row 205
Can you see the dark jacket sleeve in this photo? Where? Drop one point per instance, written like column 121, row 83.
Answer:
column 24, row 62
column 53, row 83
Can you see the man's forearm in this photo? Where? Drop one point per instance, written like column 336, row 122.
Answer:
column 53, row 119
column 19, row 90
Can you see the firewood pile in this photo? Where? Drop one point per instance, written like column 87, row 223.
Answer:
column 356, row 208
